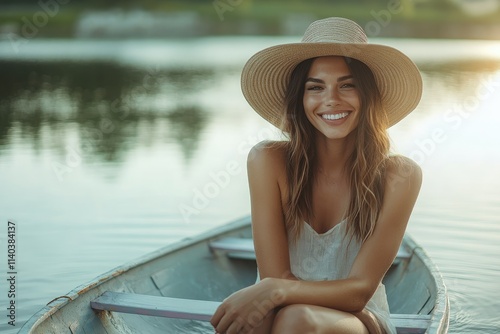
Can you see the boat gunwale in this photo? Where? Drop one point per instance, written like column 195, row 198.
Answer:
column 439, row 321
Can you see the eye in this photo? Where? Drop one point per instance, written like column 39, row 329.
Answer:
column 348, row 85
column 315, row 87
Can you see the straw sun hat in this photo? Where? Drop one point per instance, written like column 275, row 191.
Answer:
column 266, row 74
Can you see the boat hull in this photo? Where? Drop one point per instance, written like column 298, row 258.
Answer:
column 191, row 270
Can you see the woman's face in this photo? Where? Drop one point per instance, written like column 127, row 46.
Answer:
column 331, row 99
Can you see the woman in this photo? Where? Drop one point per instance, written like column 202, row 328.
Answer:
column 330, row 205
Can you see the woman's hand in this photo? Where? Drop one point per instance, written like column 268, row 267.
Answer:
column 246, row 309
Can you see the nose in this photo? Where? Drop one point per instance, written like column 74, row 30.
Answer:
column 332, row 97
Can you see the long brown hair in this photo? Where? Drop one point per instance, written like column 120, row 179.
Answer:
column 366, row 164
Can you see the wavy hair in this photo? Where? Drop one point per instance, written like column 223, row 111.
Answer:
column 366, row 164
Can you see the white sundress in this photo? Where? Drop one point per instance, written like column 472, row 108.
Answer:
column 330, row 256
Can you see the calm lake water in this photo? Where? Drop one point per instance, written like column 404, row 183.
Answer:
column 105, row 147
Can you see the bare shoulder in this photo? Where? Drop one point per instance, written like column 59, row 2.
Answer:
column 266, row 165
column 402, row 171
column 268, row 155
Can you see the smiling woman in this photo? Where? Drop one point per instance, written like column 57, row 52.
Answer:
column 334, row 96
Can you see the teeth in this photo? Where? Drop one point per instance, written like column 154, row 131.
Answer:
column 335, row 116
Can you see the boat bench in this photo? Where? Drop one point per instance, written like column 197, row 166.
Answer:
column 239, row 248
column 202, row 310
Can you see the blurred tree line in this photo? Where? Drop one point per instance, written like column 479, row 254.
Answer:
column 427, row 18
column 418, row 9
column 156, row 4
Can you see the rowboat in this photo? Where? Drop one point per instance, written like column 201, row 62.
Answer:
column 177, row 288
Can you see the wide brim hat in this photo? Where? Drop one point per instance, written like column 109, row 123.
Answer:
column 265, row 76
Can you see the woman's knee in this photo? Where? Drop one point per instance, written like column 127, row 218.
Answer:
column 295, row 318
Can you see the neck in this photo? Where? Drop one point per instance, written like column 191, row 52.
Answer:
column 332, row 154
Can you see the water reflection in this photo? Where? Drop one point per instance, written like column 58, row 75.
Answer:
column 105, row 101
column 187, row 125
column 458, row 75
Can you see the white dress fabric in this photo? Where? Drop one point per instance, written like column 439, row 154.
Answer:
column 330, row 256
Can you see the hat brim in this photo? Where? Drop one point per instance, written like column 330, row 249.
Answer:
column 266, row 75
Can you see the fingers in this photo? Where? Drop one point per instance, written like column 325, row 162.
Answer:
column 235, row 328
column 219, row 313
column 238, row 327
column 226, row 322
column 222, row 320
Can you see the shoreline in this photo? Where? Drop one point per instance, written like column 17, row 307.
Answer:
column 139, row 23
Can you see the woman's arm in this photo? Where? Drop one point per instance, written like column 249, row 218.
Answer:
column 267, row 180
column 248, row 307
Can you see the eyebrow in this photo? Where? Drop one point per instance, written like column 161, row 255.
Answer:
column 345, row 77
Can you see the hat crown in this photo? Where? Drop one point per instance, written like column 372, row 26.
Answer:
column 334, row 30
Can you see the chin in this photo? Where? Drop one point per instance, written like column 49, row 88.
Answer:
column 336, row 134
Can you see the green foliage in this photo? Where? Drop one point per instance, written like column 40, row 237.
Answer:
column 260, row 12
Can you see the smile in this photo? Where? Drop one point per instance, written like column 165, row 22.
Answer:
column 332, row 117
